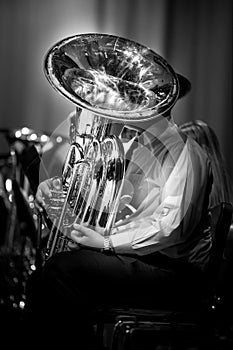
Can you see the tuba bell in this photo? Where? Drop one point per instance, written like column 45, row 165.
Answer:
column 112, row 82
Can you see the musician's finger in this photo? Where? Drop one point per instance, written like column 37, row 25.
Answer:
column 73, row 245
column 87, row 230
column 45, row 188
column 39, row 196
column 56, row 182
column 76, row 236
column 39, row 200
column 81, row 228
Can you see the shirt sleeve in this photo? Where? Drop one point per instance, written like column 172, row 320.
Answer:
column 160, row 227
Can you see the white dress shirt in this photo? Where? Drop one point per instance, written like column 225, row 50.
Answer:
column 168, row 180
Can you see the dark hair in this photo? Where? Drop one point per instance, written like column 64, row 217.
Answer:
column 207, row 139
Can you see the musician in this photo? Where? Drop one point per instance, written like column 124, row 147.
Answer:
column 155, row 255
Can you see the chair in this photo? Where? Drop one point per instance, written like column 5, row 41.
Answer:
column 193, row 327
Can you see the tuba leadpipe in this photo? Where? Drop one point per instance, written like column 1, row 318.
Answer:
column 113, row 82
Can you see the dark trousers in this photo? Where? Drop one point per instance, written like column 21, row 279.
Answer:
column 64, row 294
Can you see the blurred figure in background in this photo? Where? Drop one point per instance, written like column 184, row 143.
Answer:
column 207, row 139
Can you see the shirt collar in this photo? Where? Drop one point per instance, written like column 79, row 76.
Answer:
column 158, row 130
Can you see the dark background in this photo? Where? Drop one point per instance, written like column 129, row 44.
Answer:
column 195, row 37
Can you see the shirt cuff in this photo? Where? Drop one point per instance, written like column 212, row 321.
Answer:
column 120, row 242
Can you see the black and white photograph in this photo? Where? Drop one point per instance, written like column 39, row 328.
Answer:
column 116, row 174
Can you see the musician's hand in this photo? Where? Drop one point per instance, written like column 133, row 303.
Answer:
column 43, row 191
column 86, row 236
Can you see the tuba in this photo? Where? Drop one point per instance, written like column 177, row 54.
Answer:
column 113, row 83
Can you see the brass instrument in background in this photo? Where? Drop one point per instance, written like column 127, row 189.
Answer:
column 18, row 234
column 113, row 82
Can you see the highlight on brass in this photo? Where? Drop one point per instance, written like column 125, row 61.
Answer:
column 112, row 76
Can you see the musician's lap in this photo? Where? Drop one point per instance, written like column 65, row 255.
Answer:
column 87, row 279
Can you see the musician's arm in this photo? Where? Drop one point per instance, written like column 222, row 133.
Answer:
column 172, row 222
